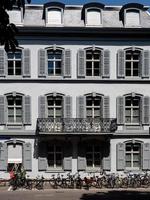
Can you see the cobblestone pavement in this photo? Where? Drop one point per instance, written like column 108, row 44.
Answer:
column 64, row 194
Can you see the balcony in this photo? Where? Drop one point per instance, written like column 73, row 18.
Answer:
column 76, row 126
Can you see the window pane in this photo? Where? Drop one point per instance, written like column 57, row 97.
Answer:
column 54, row 16
column 89, row 149
column 89, row 55
column 128, row 112
column 93, row 17
column 10, row 111
column 96, row 112
column 89, row 101
column 97, row 56
column 18, row 101
column 128, row 157
column 128, row 120
column 89, row 112
column 128, row 164
column 58, row 112
column 50, row 67
column 10, row 119
column 18, row 55
column 18, row 119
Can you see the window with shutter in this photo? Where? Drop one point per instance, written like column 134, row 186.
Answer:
column 93, row 17
column 132, row 17
column 54, row 16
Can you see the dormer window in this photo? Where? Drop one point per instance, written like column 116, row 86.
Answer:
column 132, row 17
column 93, row 17
column 16, row 16
column 54, row 16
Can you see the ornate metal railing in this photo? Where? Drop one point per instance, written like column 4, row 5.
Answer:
column 75, row 125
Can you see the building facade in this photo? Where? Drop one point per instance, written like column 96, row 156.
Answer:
column 75, row 95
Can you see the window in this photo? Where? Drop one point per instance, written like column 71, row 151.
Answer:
column 133, row 155
column 132, row 110
column 54, row 156
column 132, row 63
column 14, row 63
column 93, row 17
column 55, row 107
column 15, row 110
column 54, row 16
column 93, row 59
column 132, row 17
column 54, row 59
column 93, row 156
column 16, row 15
column 93, row 106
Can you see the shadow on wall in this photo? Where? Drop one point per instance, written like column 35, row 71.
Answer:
column 118, row 195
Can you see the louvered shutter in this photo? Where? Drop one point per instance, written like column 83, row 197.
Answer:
column 106, row 65
column 66, row 63
column 42, row 63
column 145, row 56
column 145, row 110
column 42, row 159
column 146, row 156
column 2, row 110
column 105, row 107
column 106, row 158
column 81, row 63
column 120, row 156
column 27, row 156
column 26, row 62
column 42, row 104
column 121, row 63
column 81, row 163
column 67, row 107
column 81, row 107
column 3, row 156
column 67, row 162
column 3, row 63
column 120, row 110
column 27, row 110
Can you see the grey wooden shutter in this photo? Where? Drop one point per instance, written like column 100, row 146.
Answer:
column 3, row 63
column 42, row 158
column 146, row 156
column 67, row 162
column 120, row 156
column 26, row 62
column 27, row 156
column 81, row 63
column 145, row 56
column 67, row 107
column 121, row 63
column 42, row 104
column 81, row 163
column 120, row 110
column 3, row 156
column 2, row 110
column 42, row 63
column 105, row 106
column 66, row 62
column 81, row 107
column 106, row 65
column 106, row 158
column 27, row 110
column 145, row 110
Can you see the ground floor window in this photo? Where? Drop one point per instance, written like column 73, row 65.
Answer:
column 133, row 155
column 93, row 156
column 54, row 156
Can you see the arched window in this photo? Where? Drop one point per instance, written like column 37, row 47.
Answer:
column 93, row 17
column 54, row 16
column 132, row 17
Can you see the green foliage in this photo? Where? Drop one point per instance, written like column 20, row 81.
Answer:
column 8, row 31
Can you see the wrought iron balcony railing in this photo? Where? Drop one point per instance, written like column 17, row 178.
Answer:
column 75, row 125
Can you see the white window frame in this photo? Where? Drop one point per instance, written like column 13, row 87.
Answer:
column 54, row 61
column 125, row 15
column 131, row 107
column 14, row 63
column 132, row 61
column 86, row 18
column 93, row 61
column 54, row 8
column 139, row 152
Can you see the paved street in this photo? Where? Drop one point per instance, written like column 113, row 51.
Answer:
column 76, row 195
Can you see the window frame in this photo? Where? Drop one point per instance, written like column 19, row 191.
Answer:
column 92, row 61
column 14, row 63
column 53, row 8
column 125, row 15
column 132, row 153
column 101, row 16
